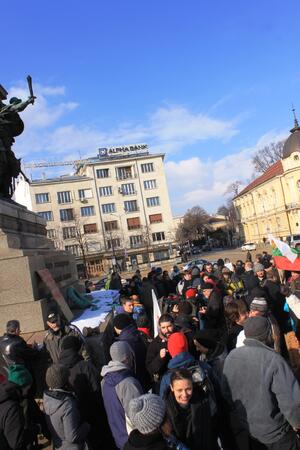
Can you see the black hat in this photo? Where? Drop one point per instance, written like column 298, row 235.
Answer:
column 207, row 338
column 258, row 327
column 57, row 376
column 122, row 321
column 71, row 342
column 52, row 317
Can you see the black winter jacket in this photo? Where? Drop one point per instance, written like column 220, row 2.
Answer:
column 138, row 441
column 12, row 423
column 193, row 425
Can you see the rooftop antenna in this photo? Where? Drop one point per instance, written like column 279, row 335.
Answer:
column 296, row 124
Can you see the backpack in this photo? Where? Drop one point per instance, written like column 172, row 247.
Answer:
column 201, row 379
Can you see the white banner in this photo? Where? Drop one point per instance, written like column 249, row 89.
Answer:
column 156, row 313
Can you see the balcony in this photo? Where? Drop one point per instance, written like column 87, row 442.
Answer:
column 124, row 192
column 128, row 211
column 125, row 176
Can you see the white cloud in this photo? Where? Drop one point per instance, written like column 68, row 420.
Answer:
column 168, row 129
column 203, row 182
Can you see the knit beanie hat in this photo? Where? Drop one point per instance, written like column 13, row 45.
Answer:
column 18, row 374
column 258, row 267
column 177, row 343
column 258, row 327
column 147, row 412
column 120, row 351
column 259, row 304
column 71, row 342
column 57, row 376
column 122, row 321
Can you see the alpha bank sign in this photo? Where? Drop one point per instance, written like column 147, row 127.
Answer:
column 126, row 150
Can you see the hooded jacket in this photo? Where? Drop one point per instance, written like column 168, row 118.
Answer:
column 255, row 375
column 183, row 360
column 131, row 335
column 12, row 423
column 64, row 421
column 118, row 387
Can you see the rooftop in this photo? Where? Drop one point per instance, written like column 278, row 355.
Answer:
column 273, row 171
column 68, row 178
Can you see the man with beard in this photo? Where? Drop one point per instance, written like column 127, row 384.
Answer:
column 157, row 354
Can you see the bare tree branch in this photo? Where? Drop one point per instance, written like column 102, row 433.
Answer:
column 268, row 155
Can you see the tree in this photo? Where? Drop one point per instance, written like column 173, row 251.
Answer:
column 267, row 156
column 233, row 188
column 194, row 225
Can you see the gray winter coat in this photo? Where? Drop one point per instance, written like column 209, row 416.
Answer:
column 263, row 393
column 63, row 419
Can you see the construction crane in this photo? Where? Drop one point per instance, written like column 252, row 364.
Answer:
column 75, row 162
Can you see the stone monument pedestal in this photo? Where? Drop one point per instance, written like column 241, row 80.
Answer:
column 25, row 249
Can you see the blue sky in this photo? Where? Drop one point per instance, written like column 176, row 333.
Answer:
column 208, row 83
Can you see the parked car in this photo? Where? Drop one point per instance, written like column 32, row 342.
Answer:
column 197, row 262
column 295, row 241
column 196, row 250
column 248, row 246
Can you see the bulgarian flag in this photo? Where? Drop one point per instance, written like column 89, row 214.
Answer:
column 285, row 257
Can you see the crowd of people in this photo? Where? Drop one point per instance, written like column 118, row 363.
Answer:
column 216, row 376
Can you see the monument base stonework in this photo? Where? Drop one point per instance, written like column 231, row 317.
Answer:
column 24, row 250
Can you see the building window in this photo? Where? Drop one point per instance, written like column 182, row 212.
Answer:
column 148, row 167
column 66, row 214
column 113, row 243
column 90, row 228
column 155, row 218
column 47, row 215
column 133, row 223
column 105, row 191
column 64, row 197
column 108, row 208
column 42, row 198
column 127, row 189
column 136, row 241
column 51, row 234
column 111, row 225
column 87, row 211
column 159, row 236
column 74, row 249
column 102, row 173
column 130, row 206
column 161, row 255
column 84, row 194
column 149, row 184
column 124, row 173
column 153, row 201
column 69, row 232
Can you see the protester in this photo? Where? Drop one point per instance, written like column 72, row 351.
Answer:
column 115, row 281
column 14, row 349
column 16, row 430
column 68, row 430
column 255, row 376
column 146, row 413
column 157, row 354
column 119, row 386
column 55, row 334
column 85, row 383
column 127, row 331
column 188, row 410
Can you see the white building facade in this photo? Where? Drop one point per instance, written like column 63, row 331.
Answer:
column 115, row 209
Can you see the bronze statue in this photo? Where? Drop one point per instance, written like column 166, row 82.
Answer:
column 11, row 126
